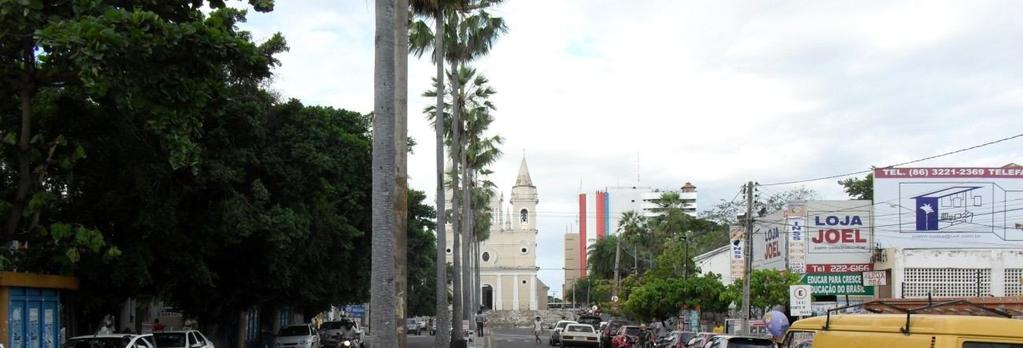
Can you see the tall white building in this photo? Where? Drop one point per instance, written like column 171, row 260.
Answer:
column 643, row 199
column 508, row 271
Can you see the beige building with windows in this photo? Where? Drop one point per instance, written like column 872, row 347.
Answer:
column 571, row 262
column 508, row 271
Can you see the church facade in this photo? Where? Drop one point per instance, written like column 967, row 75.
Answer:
column 508, row 271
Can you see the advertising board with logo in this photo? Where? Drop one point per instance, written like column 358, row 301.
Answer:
column 737, row 252
column 837, row 284
column 949, row 207
column 814, row 233
column 769, row 241
column 838, row 232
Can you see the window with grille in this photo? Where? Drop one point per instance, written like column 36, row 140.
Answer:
column 1014, row 282
column 946, row 282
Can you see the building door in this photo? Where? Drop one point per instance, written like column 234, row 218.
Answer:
column 488, row 296
column 33, row 318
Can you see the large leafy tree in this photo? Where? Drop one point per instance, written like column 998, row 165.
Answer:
column 768, row 288
column 159, row 65
column 421, row 265
column 726, row 212
column 858, row 188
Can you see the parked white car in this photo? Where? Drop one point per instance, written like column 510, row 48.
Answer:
column 111, row 341
column 556, row 332
column 297, row 336
column 579, row 335
column 182, row 339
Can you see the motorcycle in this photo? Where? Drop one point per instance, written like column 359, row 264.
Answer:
column 349, row 342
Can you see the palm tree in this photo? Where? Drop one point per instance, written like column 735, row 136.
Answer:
column 401, row 51
column 629, row 228
column 468, row 32
column 420, row 31
column 383, row 299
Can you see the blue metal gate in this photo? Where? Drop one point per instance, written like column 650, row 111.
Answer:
column 33, row 318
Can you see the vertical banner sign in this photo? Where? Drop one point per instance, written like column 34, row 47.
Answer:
column 737, row 252
column 795, row 223
column 800, row 300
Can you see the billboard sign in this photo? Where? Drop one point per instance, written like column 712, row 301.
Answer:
column 949, row 207
column 839, row 232
column 873, row 278
column 839, row 267
column 769, row 241
column 795, row 224
column 837, row 284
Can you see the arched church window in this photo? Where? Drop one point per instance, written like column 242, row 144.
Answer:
column 524, row 216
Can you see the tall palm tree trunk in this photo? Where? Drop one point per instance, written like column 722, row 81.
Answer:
column 479, row 280
column 456, row 153
column 401, row 166
column 382, row 298
column 442, row 338
column 466, row 238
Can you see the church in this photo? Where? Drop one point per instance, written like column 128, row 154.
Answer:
column 508, row 271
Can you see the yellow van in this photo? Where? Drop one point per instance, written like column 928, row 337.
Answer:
column 892, row 331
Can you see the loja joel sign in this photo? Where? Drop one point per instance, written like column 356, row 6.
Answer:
column 837, row 284
column 833, row 232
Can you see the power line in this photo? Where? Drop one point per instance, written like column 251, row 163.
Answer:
column 897, row 164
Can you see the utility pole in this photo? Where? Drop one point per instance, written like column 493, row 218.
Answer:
column 749, row 259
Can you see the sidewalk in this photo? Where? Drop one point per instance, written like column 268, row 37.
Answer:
column 487, row 341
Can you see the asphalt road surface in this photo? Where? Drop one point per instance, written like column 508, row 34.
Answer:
column 504, row 338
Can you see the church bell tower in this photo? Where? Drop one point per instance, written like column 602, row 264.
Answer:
column 524, row 200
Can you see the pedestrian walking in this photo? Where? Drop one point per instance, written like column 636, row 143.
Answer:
column 537, row 328
column 157, row 327
column 481, row 321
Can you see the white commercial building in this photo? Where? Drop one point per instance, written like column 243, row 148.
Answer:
column 949, row 232
column 717, row 261
column 643, row 199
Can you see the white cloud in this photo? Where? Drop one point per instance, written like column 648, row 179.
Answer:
column 715, row 93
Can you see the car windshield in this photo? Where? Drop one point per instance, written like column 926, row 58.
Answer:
column 592, row 321
column 294, row 331
column 562, row 325
column 97, row 342
column 579, row 328
column 748, row 342
column 170, row 339
column 632, row 331
column 336, row 325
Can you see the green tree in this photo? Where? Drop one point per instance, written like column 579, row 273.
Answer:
column 768, row 288
column 159, row 64
column 600, row 258
column 859, row 188
column 419, row 31
column 661, row 298
column 629, row 229
column 421, row 263
column 726, row 212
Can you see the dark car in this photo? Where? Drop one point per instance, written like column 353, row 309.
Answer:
column 609, row 332
column 591, row 320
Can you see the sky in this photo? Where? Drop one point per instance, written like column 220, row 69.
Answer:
column 598, row 93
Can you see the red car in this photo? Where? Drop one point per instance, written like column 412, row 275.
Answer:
column 626, row 337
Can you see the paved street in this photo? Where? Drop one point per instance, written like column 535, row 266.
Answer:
column 504, row 338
